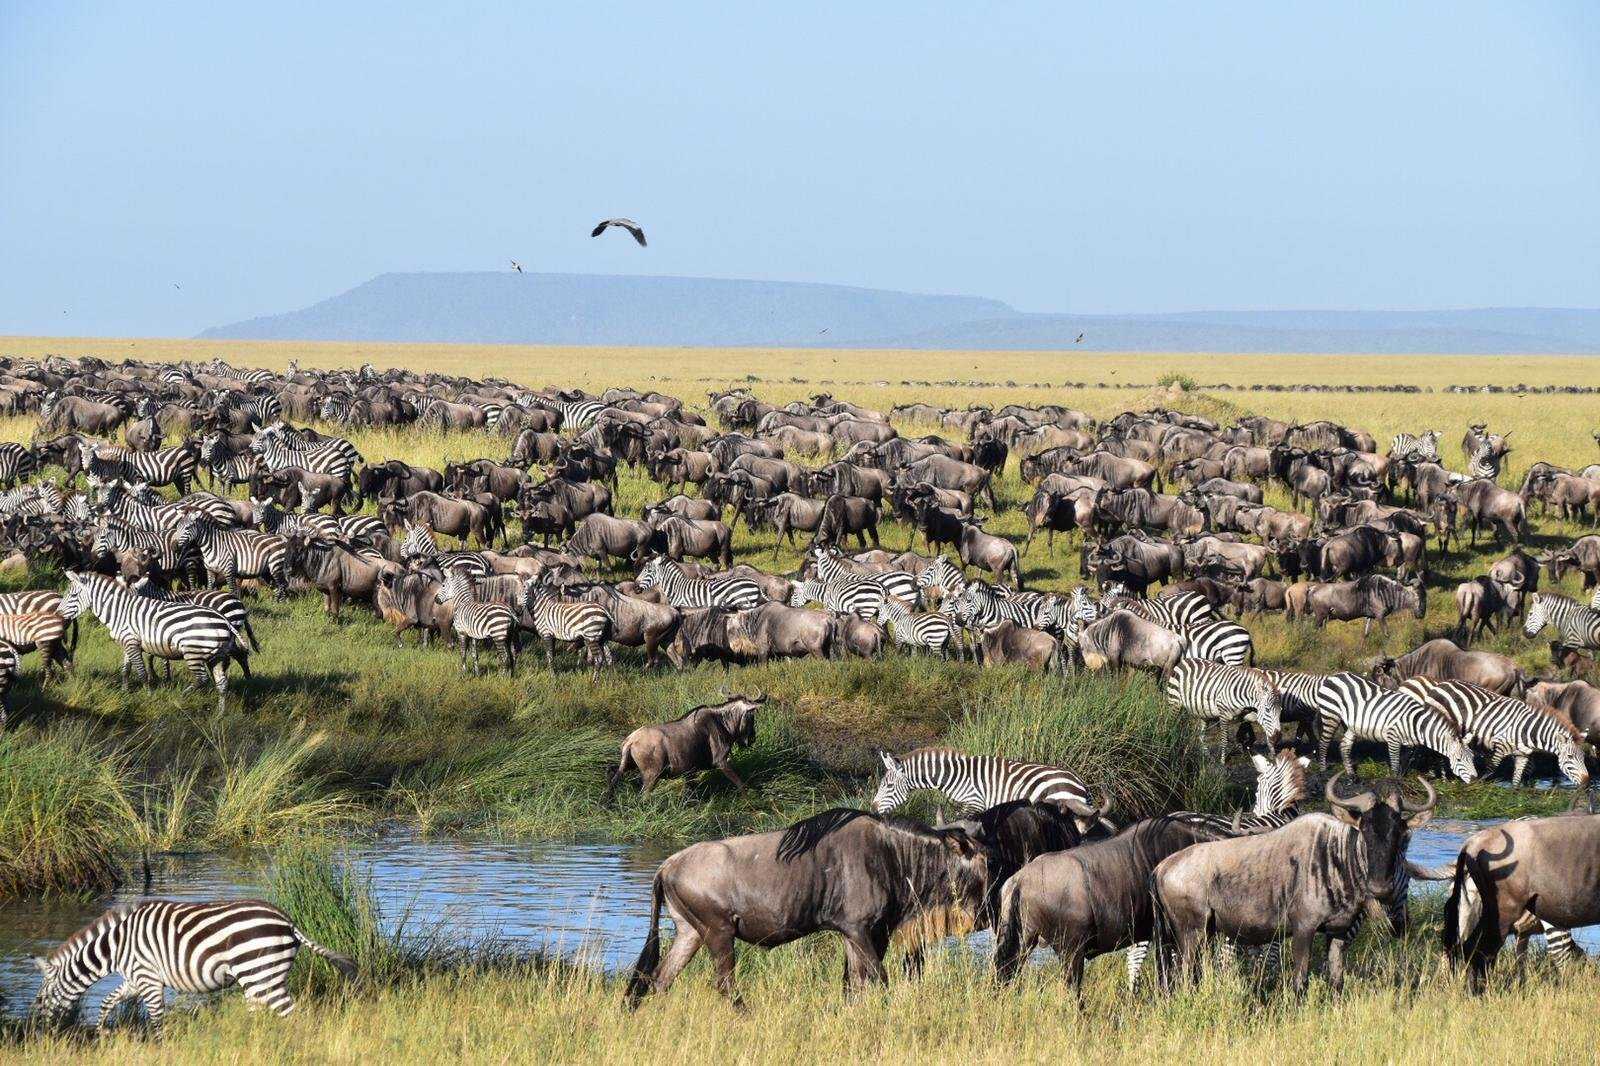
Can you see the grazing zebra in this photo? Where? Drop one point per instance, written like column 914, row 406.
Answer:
column 10, row 660
column 476, row 620
column 978, row 782
column 943, row 575
column 418, row 545
column 1220, row 641
column 1178, row 612
column 17, row 463
column 865, row 600
column 354, row 529
column 1576, row 626
column 681, row 590
column 831, row 569
column 934, row 632
column 572, row 622
column 1299, row 695
column 32, row 501
column 199, row 636
column 157, row 944
column 984, row 608
column 336, row 456
column 1226, row 694
column 1485, row 462
column 1504, row 726
column 1352, row 703
column 174, row 466
column 226, row 467
column 1416, row 447
column 234, row 553
column 41, row 630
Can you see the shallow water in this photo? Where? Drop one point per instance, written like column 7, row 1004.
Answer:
column 586, row 900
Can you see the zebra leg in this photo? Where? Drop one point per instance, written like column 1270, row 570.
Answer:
column 1558, row 945
column 123, row 994
column 1346, row 744
column 272, row 993
column 1518, row 766
column 1136, row 956
column 132, row 662
column 219, row 677
column 511, row 658
column 152, row 994
column 1394, row 754
column 550, row 652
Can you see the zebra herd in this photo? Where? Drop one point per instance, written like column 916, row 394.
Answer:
column 169, row 574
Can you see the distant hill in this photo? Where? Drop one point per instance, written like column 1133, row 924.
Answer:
column 508, row 308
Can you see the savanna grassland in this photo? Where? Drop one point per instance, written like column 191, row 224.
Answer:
column 345, row 731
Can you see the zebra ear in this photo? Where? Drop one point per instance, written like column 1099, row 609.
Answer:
column 1261, row 762
column 888, row 760
column 39, row 961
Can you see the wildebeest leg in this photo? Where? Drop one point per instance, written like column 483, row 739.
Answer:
column 1336, row 962
column 727, row 771
column 719, row 942
column 863, row 961
column 1300, row 948
column 684, row 945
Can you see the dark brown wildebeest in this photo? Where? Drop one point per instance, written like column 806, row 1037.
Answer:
column 1059, row 512
column 775, row 630
column 604, row 538
column 59, row 413
column 1546, row 869
column 1516, row 577
column 1373, row 599
column 485, row 475
column 687, row 507
column 394, row 478
column 1483, row 503
column 1317, row 874
column 535, row 446
column 409, row 600
column 1142, row 509
column 698, row 741
column 339, row 573
column 1213, row 554
column 1135, row 561
column 464, row 519
column 635, row 622
column 1124, row 639
column 292, row 486
column 1262, row 594
column 788, row 512
column 683, row 467
column 702, row 637
column 861, row 637
column 943, row 472
column 857, row 874
column 1442, row 660
column 844, row 516
column 544, row 514
column 1583, row 555
column 1480, row 607
column 691, row 538
column 988, row 552
column 1578, row 701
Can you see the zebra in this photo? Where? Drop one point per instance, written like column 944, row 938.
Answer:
column 1177, row 612
column 476, row 620
column 156, row 944
column 570, row 622
column 218, row 369
column 113, row 535
column 830, row 568
column 223, row 602
column 226, row 467
column 121, row 501
column 1220, row 641
column 32, row 501
column 1416, row 447
column 575, row 415
column 1226, row 694
column 1486, row 461
column 985, row 609
column 17, row 463
column 978, row 782
column 44, row 630
column 934, row 632
column 234, row 553
column 165, row 466
column 1356, row 705
column 681, row 590
column 943, row 575
column 10, row 666
column 419, row 545
column 1298, row 693
column 1504, row 726
column 335, row 456
column 865, row 600
column 199, row 636
column 1576, row 626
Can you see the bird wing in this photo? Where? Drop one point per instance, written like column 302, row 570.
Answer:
column 601, row 228
column 638, row 234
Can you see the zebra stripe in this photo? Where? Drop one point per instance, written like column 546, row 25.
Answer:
column 681, row 590
column 977, row 782
column 1418, row 447
column 1177, row 612
column 477, row 621
column 234, row 553
column 1351, row 703
column 931, row 631
column 569, row 622
column 191, row 947
column 10, row 666
column 1576, row 626
column 865, row 600
column 165, row 466
column 1224, row 693
column 831, row 568
column 984, row 608
column 17, row 463
column 337, row 456
column 1299, row 695
column 41, row 630
column 1503, row 726
column 1220, row 641
column 419, row 544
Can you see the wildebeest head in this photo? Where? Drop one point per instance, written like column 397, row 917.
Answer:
column 1385, row 825
column 738, row 714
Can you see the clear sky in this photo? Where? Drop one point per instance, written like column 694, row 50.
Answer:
column 1063, row 157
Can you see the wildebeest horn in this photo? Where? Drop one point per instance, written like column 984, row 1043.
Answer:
column 1080, row 808
column 1360, row 804
column 758, row 697
column 1433, row 799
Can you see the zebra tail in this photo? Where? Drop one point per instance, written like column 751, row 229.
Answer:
column 249, row 631
column 1008, row 932
column 343, row 963
column 644, row 970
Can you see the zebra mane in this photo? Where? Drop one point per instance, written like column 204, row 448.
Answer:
column 112, row 916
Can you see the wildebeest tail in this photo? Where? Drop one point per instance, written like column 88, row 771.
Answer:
column 644, row 970
column 1008, row 931
column 1161, row 931
column 1463, row 911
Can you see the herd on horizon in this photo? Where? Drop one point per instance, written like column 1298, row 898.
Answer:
column 1156, row 499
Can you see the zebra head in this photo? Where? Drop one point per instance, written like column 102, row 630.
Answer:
column 1536, row 616
column 456, row 584
column 73, row 600
column 894, row 788
column 802, row 593
column 650, row 573
column 188, row 527
column 418, row 542
column 1280, row 781
column 1268, row 707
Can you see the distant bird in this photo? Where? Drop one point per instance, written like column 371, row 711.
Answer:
column 175, row 285
column 516, row 266
column 1079, row 340
column 626, row 223
column 822, row 330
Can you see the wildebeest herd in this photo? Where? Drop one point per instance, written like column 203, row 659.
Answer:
column 1175, row 542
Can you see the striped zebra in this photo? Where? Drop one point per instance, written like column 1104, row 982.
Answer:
column 864, row 601
column 157, row 944
column 1177, row 612
column 419, row 545
column 17, row 463
column 218, row 369
column 1485, row 461
column 476, row 621
column 1298, row 693
column 222, row 601
column 44, row 631
column 10, row 666
column 1576, row 626
column 223, row 465
column 1226, row 694
column 199, row 636
column 335, row 456
column 174, row 466
column 681, row 590
column 978, row 782
column 1351, row 703
column 1219, row 641
column 32, row 501
column 570, row 622
column 229, row 554
column 830, row 567
column 934, row 632
column 1503, row 726
column 984, row 608
column 943, row 575
column 120, row 501
column 1415, row 447
column 114, row 536
column 576, row 415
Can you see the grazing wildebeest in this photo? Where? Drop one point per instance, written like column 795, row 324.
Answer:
column 857, row 874
column 1483, row 503
column 464, row 519
column 1374, row 598
column 1123, row 638
column 604, row 538
column 1480, row 607
column 691, row 538
column 1315, row 875
column 1442, row 660
column 1007, row 642
column 776, row 630
column 843, row 516
column 394, row 478
column 700, row 740
column 1578, row 701
column 1135, row 561
column 1583, row 555
column 1544, row 868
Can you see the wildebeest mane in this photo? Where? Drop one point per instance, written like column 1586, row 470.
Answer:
column 804, row 836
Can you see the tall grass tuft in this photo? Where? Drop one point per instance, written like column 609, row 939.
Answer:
column 271, row 797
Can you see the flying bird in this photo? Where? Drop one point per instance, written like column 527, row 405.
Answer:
column 626, row 223
column 1079, row 340
column 516, row 266
column 175, row 285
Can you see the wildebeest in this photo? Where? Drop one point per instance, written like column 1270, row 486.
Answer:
column 775, row 630
column 1442, row 660
column 1546, row 868
column 1483, row 503
column 700, row 740
column 1373, row 598
column 1315, row 875
column 857, row 874
column 988, row 552
column 1007, row 642
column 394, row 478
column 1480, row 607
column 604, row 538
column 1578, row 701
column 635, row 622
column 464, row 519
column 1124, row 639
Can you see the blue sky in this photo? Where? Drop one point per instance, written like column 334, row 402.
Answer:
column 1063, row 157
